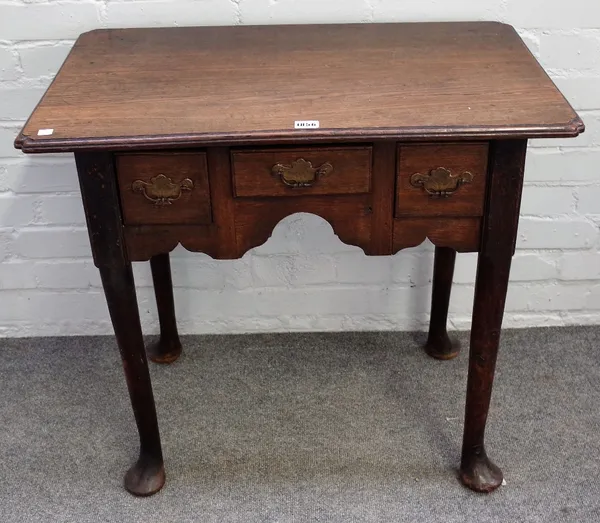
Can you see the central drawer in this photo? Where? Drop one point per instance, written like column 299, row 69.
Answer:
column 301, row 171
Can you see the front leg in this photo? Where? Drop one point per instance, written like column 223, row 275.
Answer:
column 97, row 179
column 147, row 475
column 476, row 470
column 497, row 246
column 168, row 347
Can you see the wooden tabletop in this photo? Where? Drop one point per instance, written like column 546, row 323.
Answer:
column 191, row 86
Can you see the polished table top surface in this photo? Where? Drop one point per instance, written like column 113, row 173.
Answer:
column 196, row 86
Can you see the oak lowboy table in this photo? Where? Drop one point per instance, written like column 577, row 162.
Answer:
column 208, row 137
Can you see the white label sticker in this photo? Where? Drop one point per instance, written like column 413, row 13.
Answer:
column 306, row 124
column 45, row 132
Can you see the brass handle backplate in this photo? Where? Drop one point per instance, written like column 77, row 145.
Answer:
column 300, row 173
column 440, row 182
column 162, row 190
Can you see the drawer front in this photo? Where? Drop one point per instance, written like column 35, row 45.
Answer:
column 441, row 180
column 164, row 188
column 302, row 171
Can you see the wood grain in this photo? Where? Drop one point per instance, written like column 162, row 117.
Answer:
column 99, row 191
column 382, row 203
column 461, row 234
column 193, row 206
column 349, row 216
column 439, row 345
column 100, row 196
column 145, row 241
column 167, row 348
column 499, row 231
column 378, row 90
column 351, row 174
column 183, row 87
column 223, row 242
column 457, row 158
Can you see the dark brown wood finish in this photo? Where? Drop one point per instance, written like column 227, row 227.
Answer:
column 249, row 84
column 168, row 347
column 349, row 173
column 222, row 238
column 458, row 169
column 166, row 126
column 438, row 344
column 143, row 242
column 349, row 216
column 493, row 268
column 461, row 234
column 99, row 191
column 100, row 196
column 382, row 203
column 164, row 188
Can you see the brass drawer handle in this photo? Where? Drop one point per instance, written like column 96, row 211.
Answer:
column 162, row 190
column 440, row 182
column 300, row 173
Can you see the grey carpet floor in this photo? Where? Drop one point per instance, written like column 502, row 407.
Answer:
column 350, row 427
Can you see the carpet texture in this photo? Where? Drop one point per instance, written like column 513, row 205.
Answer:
column 344, row 427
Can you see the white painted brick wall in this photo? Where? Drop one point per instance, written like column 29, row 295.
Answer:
column 42, row 59
column 8, row 64
column 303, row 278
